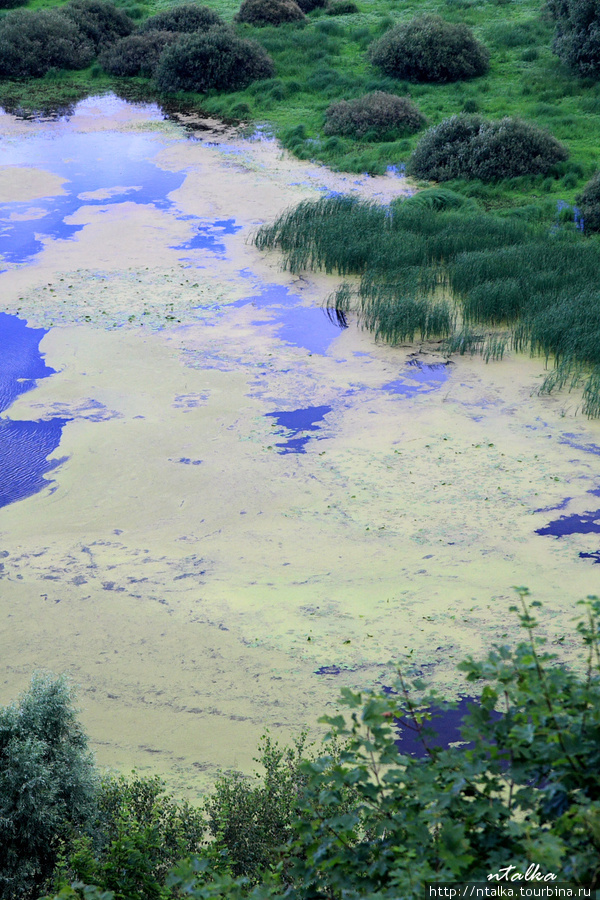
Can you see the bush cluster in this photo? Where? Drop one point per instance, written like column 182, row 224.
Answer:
column 137, row 54
column 470, row 147
column 589, row 204
column 430, row 49
column 377, row 116
column 99, row 21
column 33, row 42
column 269, row 12
column 342, row 8
column 218, row 59
column 186, row 18
column 577, row 35
column 308, row 5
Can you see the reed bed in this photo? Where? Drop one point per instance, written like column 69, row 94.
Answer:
column 437, row 269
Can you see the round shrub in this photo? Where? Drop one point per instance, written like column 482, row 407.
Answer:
column 342, row 8
column 380, row 116
column 32, row 43
column 137, row 54
column 101, row 22
column 429, row 49
column 218, row 59
column 471, row 147
column 308, row 5
column 577, row 36
column 269, row 12
column 10, row 4
column 184, row 19
column 589, row 204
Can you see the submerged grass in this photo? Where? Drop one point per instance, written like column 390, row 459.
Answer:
column 452, row 273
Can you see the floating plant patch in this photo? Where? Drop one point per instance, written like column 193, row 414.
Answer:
column 24, row 446
column 297, row 421
column 418, row 378
column 101, row 169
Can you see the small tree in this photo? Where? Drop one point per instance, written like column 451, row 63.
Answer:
column 47, row 784
column 429, row 49
column 218, row 59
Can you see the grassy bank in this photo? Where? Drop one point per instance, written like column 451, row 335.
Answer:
column 323, row 59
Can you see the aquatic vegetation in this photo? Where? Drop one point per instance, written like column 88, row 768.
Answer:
column 377, row 116
column 430, row 49
column 466, row 146
column 431, row 269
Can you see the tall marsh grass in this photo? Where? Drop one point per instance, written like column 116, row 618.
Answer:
column 437, row 269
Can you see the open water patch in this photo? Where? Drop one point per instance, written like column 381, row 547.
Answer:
column 297, row 422
column 209, row 234
column 586, row 523
column 441, row 731
column 308, row 327
column 418, row 378
column 101, row 169
column 25, row 446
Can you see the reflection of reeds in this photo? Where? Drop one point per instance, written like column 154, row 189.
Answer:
column 441, row 270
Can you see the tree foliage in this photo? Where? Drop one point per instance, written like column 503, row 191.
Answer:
column 218, row 59
column 47, row 784
column 470, row 147
column 429, row 49
column 377, row 116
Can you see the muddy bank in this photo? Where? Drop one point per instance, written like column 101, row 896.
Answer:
column 254, row 499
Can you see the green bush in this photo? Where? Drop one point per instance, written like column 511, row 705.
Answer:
column 429, row 49
column 379, row 116
column 101, row 22
column 577, row 35
column 140, row 833
column 47, row 784
column 186, row 18
column 218, row 59
column 308, row 5
column 269, row 12
column 589, row 204
column 470, row 147
column 137, row 54
column 342, row 8
column 33, row 42
column 10, row 4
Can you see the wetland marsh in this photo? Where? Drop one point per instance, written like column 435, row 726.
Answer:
column 247, row 505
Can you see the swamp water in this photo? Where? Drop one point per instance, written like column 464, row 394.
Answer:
column 241, row 506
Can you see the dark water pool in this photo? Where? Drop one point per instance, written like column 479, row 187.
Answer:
column 25, row 447
column 297, row 422
column 418, row 378
column 443, row 729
